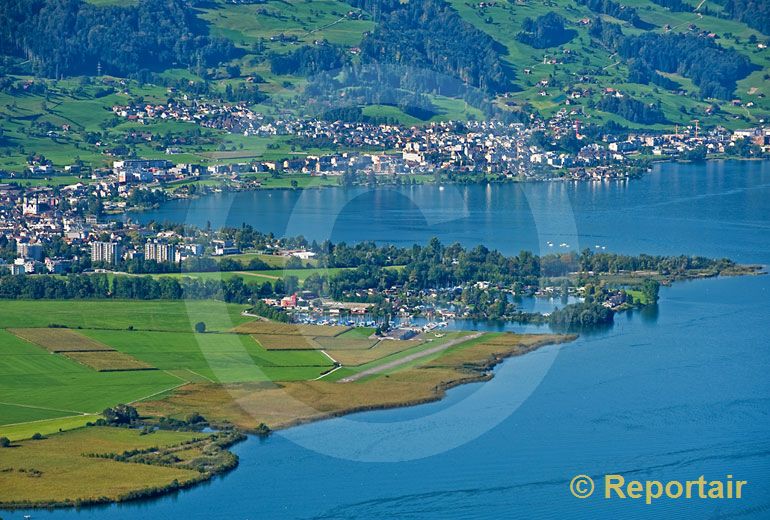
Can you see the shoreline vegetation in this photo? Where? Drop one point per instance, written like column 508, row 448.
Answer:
column 151, row 463
column 435, row 281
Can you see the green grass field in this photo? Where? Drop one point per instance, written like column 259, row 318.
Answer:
column 42, row 390
column 45, row 384
column 216, row 357
column 36, row 385
column 142, row 315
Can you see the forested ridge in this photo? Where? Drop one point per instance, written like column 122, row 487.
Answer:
column 713, row 68
column 73, row 37
column 430, row 34
column 632, row 109
column 754, row 13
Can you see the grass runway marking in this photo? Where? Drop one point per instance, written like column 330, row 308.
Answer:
column 160, row 392
column 43, row 408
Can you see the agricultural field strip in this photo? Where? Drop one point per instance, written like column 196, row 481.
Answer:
column 275, row 328
column 59, row 340
column 411, row 357
column 108, row 361
column 81, row 349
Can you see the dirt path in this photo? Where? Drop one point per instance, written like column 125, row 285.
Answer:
column 408, row 359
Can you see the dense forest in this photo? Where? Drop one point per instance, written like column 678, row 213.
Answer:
column 74, row 37
column 545, row 31
column 632, row 109
column 640, row 72
column 754, row 13
column 580, row 315
column 430, row 34
column 714, row 69
column 308, row 60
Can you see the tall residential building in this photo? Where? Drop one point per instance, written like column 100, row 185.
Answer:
column 107, row 252
column 28, row 250
column 159, row 251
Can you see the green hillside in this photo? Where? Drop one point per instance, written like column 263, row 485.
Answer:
column 493, row 59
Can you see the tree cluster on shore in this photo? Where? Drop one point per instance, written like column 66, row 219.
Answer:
column 369, row 266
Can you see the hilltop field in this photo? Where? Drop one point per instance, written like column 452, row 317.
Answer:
column 295, row 58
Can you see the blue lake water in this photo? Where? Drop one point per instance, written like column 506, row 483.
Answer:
column 672, row 393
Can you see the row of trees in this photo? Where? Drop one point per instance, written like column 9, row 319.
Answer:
column 433, row 266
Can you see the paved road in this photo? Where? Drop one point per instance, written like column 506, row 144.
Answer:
column 408, row 359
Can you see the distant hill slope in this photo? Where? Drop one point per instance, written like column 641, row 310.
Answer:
column 633, row 63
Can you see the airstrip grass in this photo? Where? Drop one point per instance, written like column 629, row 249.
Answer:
column 356, row 357
column 286, row 404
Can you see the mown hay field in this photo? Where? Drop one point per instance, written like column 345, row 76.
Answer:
column 271, row 327
column 60, row 340
column 286, row 342
column 108, row 361
column 346, row 343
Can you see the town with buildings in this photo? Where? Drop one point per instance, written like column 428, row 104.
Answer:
column 73, row 214
column 472, row 147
